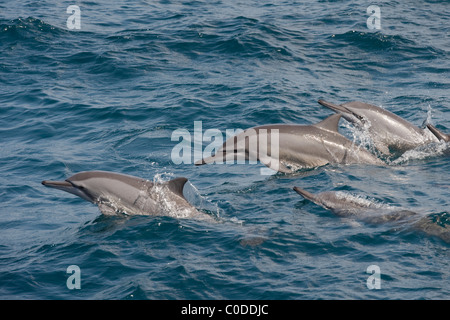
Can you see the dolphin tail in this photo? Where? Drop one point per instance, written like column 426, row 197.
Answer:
column 305, row 194
column 439, row 134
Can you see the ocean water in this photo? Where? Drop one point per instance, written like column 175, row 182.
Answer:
column 109, row 96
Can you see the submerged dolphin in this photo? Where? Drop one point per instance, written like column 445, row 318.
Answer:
column 388, row 131
column 116, row 193
column 286, row 148
column 346, row 205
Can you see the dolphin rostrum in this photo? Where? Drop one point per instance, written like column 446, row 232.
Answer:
column 293, row 147
column 388, row 131
column 116, row 193
column 344, row 204
column 439, row 134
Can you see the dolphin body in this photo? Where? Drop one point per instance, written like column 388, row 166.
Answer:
column 345, row 205
column 116, row 194
column 296, row 147
column 387, row 130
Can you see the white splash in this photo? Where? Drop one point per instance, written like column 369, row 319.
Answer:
column 363, row 201
column 423, row 152
column 361, row 137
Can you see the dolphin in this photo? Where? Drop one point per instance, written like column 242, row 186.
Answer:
column 287, row 148
column 346, row 205
column 388, row 131
column 116, row 194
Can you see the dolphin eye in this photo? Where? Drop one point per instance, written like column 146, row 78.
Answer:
column 359, row 117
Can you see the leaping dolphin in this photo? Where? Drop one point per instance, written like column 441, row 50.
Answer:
column 388, row 131
column 296, row 147
column 346, row 205
column 116, row 193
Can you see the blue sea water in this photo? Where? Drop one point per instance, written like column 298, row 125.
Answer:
column 108, row 96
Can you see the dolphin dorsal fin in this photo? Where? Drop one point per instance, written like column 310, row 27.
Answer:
column 177, row 185
column 331, row 123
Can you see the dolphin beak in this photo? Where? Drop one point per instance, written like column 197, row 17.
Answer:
column 57, row 184
column 305, row 194
column 348, row 114
column 332, row 106
column 68, row 187
column 440, row 135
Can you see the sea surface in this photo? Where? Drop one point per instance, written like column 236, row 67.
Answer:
column 111, row 94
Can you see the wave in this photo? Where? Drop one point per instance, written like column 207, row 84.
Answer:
column 132, row 53
column 28, row 29
column 378, row 53
column 376, row 42
column 239, row 37
column 60, row 52
column 428, row 151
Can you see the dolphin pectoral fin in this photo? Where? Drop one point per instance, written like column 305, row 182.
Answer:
column 219, row 157
column 205, row 161
column 223, row 156
column 281, row 168
column 208, row 160
column 275, row 164
column 200, row 162
column 439, row 134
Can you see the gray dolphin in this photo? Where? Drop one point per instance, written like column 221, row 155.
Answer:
column 388, row 131
column 116, row 193
column 346, row 205
column 293, row 147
